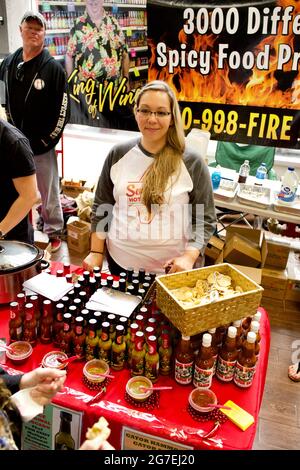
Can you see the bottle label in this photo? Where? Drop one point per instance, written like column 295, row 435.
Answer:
column 151, row 370
column 90, row 351
column 243, row 376
column 104, row 354
column 183, row 372
column 78, row 349
column 225, row 370
column 117, row 360
column 137, row 366
column 78, row 330
column 19, row 331
column 287, row 194
column 202, row 377
column 165, row 363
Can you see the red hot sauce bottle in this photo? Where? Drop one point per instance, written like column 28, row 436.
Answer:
column 184, row 361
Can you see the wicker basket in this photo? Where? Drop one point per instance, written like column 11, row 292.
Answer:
column 195, row 319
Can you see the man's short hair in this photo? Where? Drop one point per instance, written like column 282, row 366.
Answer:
column 34, row 16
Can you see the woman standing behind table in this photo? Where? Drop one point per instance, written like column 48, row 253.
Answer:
column 154, row 205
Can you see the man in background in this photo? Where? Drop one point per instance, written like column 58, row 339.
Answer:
column 37, row 103
column 98, row 51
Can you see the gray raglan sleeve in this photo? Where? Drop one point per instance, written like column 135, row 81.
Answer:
column 104, row 196
column 202, row 204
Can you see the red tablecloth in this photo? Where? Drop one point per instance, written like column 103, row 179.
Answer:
column 170, row 421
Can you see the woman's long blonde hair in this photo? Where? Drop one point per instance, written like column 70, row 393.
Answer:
column 168, row 160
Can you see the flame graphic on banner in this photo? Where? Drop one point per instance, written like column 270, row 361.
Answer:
column 258, row 89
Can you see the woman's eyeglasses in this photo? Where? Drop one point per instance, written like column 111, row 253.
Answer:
column 146, row 113
column 20, row 72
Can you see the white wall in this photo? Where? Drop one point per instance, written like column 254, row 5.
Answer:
column 85, row 149
column 10, row 38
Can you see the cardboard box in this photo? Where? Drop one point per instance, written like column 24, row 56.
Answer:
column 239, row 250
column 274, row 281
column 79, row 236
column 244, row 246
column 213, row 249
column 277, row 254
column 73, row 188
column 293, row 284
column 253, row 273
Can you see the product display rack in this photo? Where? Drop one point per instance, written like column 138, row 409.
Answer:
column 132, row 18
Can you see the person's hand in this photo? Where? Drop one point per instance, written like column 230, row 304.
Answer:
column 96, row 444
column 45, row 383
column 92, row 260
column 184, row 262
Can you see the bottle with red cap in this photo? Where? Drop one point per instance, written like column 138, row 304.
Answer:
column 246, row 363
column 227, row 357
column 204, row 364
column 184, row 361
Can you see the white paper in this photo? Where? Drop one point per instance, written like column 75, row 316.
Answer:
column 52, row 287
column 112, row 301
column 27, row 407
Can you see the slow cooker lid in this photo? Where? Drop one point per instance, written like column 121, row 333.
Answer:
column 15, row 255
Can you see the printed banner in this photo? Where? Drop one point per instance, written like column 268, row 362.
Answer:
column 234, row 66
column 57, row 428
column 137, row 440
column 106, row 59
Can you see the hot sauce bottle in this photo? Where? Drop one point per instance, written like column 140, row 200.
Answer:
column 165, row 354
column 15, row 322
column 21, row 299
column 66, row 334
column 152, row 359
column 91, row 340
column 246, row 363
column 111, row 318
column 214, row 346
column 58, row 323
column 131, row 341
column 204, row 364
column 118, row 349
column 105, row 343
column 227, row 357
column 239, row 333
column 184, row 361
column 46, row 322
column 34, row 300
column 29, row 325
column 254, row 327
column 78, row 340
column 63, row 439
column 138, row 355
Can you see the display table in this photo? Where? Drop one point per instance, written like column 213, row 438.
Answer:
column 266, row 213
column 168, row 426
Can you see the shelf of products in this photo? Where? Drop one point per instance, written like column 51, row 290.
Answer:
column 131, row 16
